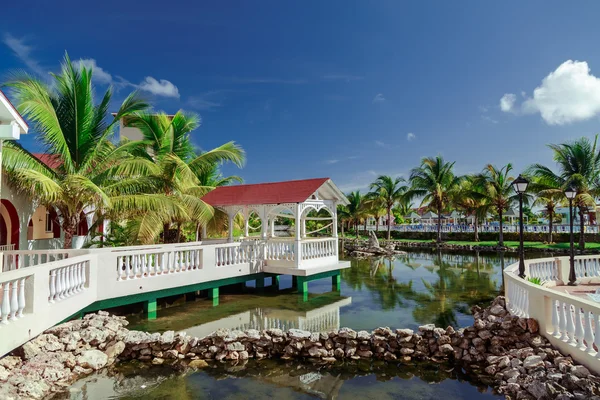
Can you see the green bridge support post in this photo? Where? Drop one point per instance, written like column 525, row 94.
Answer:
column 260, row 283
column 275, row 281
column 151, row 308
column 302, row 285
column 336, row 281
column 213, row 294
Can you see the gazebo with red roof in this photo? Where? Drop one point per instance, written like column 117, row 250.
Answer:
column 293, row 200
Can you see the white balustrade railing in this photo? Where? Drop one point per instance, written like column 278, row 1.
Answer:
column 545, row 269
column 280, row 250
column 16, row 259
column 318, row 248
column 12, row 299
column 42, row 288
column 571, row 323
column 7, row 247
column 235, row 253
column 66, row 281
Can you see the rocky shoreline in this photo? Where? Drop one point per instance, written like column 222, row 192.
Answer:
column 502, row 349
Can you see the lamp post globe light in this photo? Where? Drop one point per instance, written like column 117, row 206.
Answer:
column 571, row 193
column 520, row 186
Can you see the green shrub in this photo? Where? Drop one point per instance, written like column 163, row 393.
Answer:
column 535, row 281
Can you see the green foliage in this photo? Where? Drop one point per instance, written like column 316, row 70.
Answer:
column 535, row 281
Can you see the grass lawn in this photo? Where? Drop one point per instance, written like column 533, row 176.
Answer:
column 492, row 243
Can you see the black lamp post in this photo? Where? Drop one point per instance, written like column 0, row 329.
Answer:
column 571, row 192
column 520, row 185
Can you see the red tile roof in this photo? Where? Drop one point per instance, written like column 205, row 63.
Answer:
column 264, row 193
column 51, row 160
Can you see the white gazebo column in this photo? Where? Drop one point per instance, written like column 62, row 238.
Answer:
column 303, row 226
column 246, row 223
column 272, row 227
column 230, row 238
column 264, row 222
column 204, row 232
column 298, row 238
column 334, row 228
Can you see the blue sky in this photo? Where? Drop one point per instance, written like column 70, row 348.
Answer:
column 344, row 89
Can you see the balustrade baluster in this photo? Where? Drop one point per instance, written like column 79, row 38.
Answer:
column 81, row 272
column 571, row 326
column 21, row 298
column 62, row 283
column 5, row 302
column 52, row 286
column 71, row 269
column 579, row 328
column 135, row 260
column 589, row 334
column 128, row 269
column 563, row 322
column 14, row 300
column 555, row 319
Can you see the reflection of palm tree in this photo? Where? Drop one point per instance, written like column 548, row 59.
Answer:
column 453, row 292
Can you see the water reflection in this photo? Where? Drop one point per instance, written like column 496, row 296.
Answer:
column 406, row 291
column 281, row 380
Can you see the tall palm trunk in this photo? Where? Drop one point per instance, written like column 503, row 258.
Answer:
column 365, row 225
column 439, row 226
column 70, row 224
column 501, row 234
column 550, row 215
column 581, row 229
column 178, row 237
column 197, row 232
column 356, row 223
column 389, row 223
column 476, row 229
column 165, row 232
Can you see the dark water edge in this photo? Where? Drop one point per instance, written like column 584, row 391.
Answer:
column 283, row 380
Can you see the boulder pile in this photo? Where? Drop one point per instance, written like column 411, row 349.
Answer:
column 505, row 350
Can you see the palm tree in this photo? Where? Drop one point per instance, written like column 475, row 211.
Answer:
column 166, row 142
column 578, row 165
column 375, row 207
column 355, row 209
column 434, row 180
column 93, row 173
column 549, row 197
column 469, row 198
column 391, row 191
column 496, row 184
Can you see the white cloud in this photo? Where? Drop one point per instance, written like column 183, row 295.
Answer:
column 332, row 161
column 410, row 136
column 380, row 143
column 507, row 102
column 568, row 94
column 483, row 109
column 160, row 87
column 379, row 98
column 23, row 52
column 489, row 119
column 98, row 74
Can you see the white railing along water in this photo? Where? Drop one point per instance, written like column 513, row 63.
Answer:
column 39, row 289
column 569, row 322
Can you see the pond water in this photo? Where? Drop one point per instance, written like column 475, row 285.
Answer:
column 404, row 292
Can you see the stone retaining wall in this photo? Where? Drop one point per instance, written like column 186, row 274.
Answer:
column 506, row 350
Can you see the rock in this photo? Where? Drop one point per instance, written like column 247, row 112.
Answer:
column 347, row 333
column 94, row 359
column 158, row 361
column 235, row 346
column 298, row 334
column 198, row 364
column 537, row 389
column 404, row 332
column 497, row 310
column 34, row 389
column 114, row 350
column 579, row 371
column 373, row 242
column 29, row 350
column 533, row 362
column 532, row 325
column 244, row 355
column 446, row 349
column 167, row 337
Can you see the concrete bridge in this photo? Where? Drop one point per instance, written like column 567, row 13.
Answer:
column 39, row 289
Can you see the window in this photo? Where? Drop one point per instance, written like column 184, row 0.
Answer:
column 48, row 222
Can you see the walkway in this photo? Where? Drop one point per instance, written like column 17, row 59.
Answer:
column 39, row 289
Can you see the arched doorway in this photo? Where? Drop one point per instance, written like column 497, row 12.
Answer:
column 9, row 225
